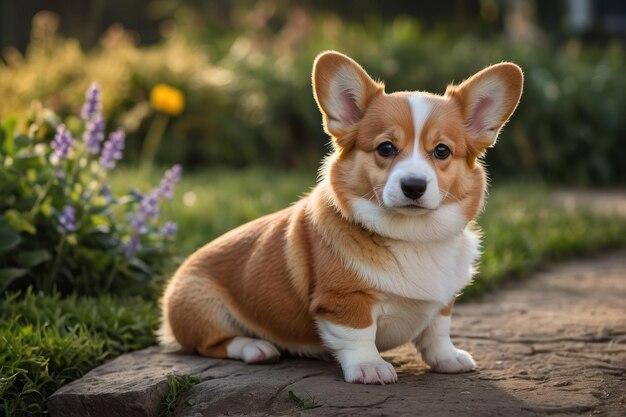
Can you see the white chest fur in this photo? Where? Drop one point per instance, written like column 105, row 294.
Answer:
column 400, row 320
column 429, row 271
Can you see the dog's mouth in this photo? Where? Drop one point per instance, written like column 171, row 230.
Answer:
column 412, row 209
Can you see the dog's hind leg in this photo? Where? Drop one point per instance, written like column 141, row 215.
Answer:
column 251, row 350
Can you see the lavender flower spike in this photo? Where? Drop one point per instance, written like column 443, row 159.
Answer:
column 112, row 150
column 138, row 221
column 61, row 144
column 170, row 178
column 94, row 134
column 169, row 228
column 150, row 206
column 92, row 104
column 67, row 220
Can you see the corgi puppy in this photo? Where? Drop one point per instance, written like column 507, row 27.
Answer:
column 374, row 256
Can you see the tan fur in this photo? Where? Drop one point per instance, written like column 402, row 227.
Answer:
column 242, row 280
column 271, row 278
column 447, row 310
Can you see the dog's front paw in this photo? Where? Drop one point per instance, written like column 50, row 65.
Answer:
column 378, row 372
column 455, row 361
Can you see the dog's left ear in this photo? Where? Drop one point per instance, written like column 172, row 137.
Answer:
column 487, row 100
column 342, row 90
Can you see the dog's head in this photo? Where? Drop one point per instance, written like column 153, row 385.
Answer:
column 409, row 154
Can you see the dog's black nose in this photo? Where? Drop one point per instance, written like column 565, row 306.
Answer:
column 413, row 187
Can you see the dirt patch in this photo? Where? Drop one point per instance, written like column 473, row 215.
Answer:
column 553, row 344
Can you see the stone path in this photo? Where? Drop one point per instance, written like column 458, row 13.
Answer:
column 553, row 344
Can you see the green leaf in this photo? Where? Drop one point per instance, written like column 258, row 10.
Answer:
column 100, row 220
column 8, row 127
column 6, row 383
column 8, row 238
column 33, row 257
column 21, row 141
column 8, row 275
column 19, row 222
column 30, row 161
column 140, row 265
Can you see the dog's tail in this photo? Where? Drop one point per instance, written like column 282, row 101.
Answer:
column 165, row 335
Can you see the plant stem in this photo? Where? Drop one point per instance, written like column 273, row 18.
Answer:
column 41, row 197
column 153, row 139
column 55, row 266
column 111, row 276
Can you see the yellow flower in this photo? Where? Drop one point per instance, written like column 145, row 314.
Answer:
column 167, row 99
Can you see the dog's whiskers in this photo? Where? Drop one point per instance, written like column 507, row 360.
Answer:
column 375, row 190
column 447, row 193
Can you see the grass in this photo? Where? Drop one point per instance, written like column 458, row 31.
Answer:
column 523, row 228
column 178, row 385
column 47, row 341
column 304, row 404
column 209, row 203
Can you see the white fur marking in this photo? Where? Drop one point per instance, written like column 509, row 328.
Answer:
column 434, row 252
column 434, row 225
column 252, row 350
column 415, row 165
column 355, row 349
column 420, row 110
column 439, row 352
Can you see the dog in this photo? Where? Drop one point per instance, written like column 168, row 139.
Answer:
column 374, row 256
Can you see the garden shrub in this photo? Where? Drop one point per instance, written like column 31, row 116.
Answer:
column 61, row 228
column 249, row 96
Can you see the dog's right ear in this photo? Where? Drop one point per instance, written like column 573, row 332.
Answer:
column 342, row 90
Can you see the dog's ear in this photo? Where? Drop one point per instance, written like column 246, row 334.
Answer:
column 342, row 90
column 487, row 100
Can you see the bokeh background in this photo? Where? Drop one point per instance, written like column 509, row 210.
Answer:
column 244, row 68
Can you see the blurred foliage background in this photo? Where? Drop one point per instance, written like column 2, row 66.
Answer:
column 244, row 68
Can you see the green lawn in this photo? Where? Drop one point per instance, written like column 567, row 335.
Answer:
column 48, row 341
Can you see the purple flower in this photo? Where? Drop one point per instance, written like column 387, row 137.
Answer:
column 173, row 174
column 61, row 144
column 169, row 228
column 94, row 134
column 67, row 220
column 132, row 246
column 170, row 179
column 105, row 191
column 150, row 206
column 136, row 193
column 112, row 150
column 138, row 221
column 92, row 104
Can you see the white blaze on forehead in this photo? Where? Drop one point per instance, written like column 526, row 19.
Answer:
column 416, row 165
column 420, row 110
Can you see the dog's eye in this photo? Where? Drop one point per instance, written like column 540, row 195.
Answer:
column 441, row 151
column 387, row 149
